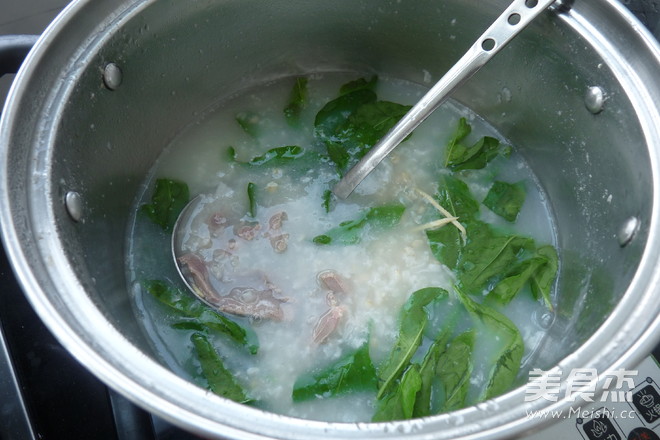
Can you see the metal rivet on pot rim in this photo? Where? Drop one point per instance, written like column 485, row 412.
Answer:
column 112, row 76
column 628, row 230
column 594, row 99
column 74, row 205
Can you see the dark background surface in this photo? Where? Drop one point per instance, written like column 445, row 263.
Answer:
column 44, row 393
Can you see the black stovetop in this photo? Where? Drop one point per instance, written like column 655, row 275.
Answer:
column 46, row 394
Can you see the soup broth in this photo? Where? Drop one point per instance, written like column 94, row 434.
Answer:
column 332, row 276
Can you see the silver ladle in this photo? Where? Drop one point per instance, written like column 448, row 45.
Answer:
column 513, row 20
column 179, row 230
column 253, row 301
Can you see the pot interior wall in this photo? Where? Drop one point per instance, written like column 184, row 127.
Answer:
column 179, row 58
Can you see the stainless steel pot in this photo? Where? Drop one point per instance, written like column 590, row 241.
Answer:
column 577, row 93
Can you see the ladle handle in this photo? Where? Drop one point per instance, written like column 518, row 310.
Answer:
column 513, row 20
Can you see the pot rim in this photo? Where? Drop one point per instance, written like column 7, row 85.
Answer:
column 41, row 265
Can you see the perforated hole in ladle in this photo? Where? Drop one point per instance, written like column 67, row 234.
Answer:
column 488, row 44
column 514, row 19
column 531, row 3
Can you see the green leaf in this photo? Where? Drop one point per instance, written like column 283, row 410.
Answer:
column 454, row 370
column 339, row 155
column 488, row 255
column 540, row 271
column 455, row 196
column 351, row 231
column 544, row 277
column 327, row 200
column 411, row 383
column 400, row 404
column 323, row 239
column 477, row 156
column 252, row 199
column 446, row 245
column 455, row 150
column 428, row 374
column 185, row 305
column 331, row 119
column 274, row 157
column 169, row 198
column 505, row 369
column 231, row 154
column 180, row 301
column 286, row 156
column 352, row 123
column 297, row 101
column 220, row 380
column 445, row 374
column 190, row 325
column 278, row 156
column 354, row 372
column 249, row 122
column 459, row 157
column 506, row 199
column 412, row 323
column 371, row 122
column 359, row 84
column 516, row 279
